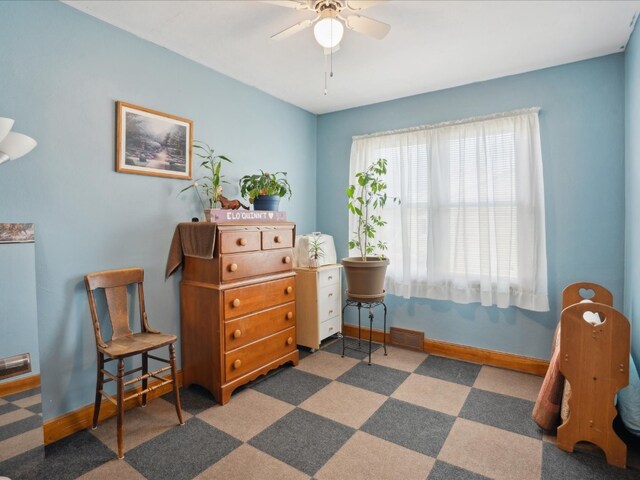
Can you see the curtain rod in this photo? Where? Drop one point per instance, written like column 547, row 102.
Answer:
column 482, row 118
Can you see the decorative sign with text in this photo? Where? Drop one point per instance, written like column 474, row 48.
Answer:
column 219, row 215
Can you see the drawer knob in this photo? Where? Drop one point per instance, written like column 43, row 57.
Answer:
column 237, row 334
column 329, row 277
column 276, row 239
column 286, row 259
column 242, row 242
column 236, row 302
column 331, row 295
column 289, row 341
column 289, row 315
column 233, row 267
column 237, row 364
column 289, row 289
column 330, row 312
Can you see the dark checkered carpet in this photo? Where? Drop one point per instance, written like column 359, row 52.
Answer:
column 406, row 416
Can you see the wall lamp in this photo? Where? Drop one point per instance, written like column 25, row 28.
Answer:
column 13, row 145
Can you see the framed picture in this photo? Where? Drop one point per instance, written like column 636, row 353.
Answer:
column 153, row 143
column 17, row 232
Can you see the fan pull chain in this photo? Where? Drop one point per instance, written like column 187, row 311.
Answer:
column 325, row 82
column 329, row 70
column 331, row 61
column 325, row 73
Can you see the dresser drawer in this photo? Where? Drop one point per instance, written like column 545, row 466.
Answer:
column 277, row 238
column 252, row 356
column 328, row 302
column 239, row 241
column 243, row 265
column 244, row 300
column 244, row 330
column 329, row 277
column 330, row 327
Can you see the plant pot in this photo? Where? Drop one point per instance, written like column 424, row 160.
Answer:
column 314, row 262
column 266, row 202
column 365, row 279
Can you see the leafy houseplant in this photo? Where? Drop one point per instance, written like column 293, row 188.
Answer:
column 271, row 185
column 365, row 199
column 211, row 183
column 315, row 251
column 365, row 274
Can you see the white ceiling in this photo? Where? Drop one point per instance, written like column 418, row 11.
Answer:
column 432, row 44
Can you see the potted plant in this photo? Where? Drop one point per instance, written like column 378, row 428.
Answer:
column 365, row 273
column 315, row 251
column 264, row 190
column 211, row 183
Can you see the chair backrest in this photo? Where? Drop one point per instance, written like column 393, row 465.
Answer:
column 571, row 294
column 115, row 283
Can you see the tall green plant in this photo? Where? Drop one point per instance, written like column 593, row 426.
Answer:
column 366, row 198
column 211, row 183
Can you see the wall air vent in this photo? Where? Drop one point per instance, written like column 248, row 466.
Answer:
column 407, row 338
column 15, row 365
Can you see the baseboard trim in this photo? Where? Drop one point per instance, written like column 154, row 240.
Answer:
column 19, row 385
column 69, row 423
column 511, row 361
column 376, row 335
column 493, row 358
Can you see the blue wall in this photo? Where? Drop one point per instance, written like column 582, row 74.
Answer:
column 62, row 72
column 582, row 133
column 18, row 312
column 632, row 187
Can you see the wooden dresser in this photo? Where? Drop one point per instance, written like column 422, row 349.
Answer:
column 318, row 303
column 238, row 308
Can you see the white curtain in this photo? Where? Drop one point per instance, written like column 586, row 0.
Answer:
column 470, row 226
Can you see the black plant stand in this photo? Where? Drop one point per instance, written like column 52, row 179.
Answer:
column 370, row 304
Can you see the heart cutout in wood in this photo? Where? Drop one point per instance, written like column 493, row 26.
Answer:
column 586, row 293
column 594, row 318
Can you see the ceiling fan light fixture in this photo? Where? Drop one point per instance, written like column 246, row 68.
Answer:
column 328, row 31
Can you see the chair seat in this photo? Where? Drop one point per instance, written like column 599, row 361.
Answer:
column 136, row 343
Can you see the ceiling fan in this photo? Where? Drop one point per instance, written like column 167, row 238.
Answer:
column 328, row 29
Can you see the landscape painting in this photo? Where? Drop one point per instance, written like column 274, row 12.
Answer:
column 149, row 142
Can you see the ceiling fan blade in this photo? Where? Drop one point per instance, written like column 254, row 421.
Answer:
column 368, row 26
column 301, row 5
column 356, row 5
column 292, row 30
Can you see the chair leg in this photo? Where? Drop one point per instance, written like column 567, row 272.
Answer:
column 145, row 370
column 176, row 392
column 120, row 408
column 99, row 386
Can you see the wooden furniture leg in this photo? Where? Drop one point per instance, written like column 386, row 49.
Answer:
column 99, row 386
column 176, row 393
column 145, row 371
column 120, row 405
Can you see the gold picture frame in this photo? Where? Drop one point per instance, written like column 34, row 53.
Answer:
column 149, row 142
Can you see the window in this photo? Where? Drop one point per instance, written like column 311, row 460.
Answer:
column 470, row 225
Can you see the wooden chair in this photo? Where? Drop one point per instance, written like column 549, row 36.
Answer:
column 124, row 343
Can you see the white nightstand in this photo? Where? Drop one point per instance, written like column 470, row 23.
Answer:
column 318, row 304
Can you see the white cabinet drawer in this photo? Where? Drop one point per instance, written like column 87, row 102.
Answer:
column 328, row 302
column 329, row 277
column 330, row 327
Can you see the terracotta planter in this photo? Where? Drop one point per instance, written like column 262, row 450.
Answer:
column 365, row 280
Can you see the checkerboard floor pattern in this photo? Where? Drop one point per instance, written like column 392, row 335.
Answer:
column 406, row 416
